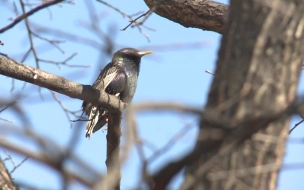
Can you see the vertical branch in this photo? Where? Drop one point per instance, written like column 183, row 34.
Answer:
column 113, row 148
column 29, row 32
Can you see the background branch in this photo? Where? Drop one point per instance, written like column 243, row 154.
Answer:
column 23, row 16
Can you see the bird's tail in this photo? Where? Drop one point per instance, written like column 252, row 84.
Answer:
column 97, row 119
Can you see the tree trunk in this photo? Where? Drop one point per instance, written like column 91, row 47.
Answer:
column 255, row 83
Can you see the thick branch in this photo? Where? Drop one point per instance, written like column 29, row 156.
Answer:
column 206, row 15
column 13, row 69
column 113, row 149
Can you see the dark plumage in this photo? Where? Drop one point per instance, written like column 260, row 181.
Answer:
column 118, row 78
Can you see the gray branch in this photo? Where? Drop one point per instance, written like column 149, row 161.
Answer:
column 13, row 69
column 206, row 15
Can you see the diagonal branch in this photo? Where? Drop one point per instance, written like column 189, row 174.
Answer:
column 23, row 16
column 13, row 69
column 206, row 15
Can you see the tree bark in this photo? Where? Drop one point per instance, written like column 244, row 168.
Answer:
column 206, row 15
column 113, row 149
column 6, row 182
column 13, row 69
column 256, row 78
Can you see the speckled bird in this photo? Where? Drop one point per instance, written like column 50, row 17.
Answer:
column 118, row 78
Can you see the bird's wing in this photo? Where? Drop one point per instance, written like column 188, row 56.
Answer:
column 112, row 79
column 106, row 76
column 117, row 84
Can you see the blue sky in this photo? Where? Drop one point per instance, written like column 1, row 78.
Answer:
column 168, row 75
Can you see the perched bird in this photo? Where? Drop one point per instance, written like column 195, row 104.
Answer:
column 118, row 78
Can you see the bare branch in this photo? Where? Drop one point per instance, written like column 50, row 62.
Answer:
column 13, row 162
column 8, row 67
column 64, row 62
column 206, row 15
column 29, row 32
column 45, row 160
column 165, row 106
column 25, row 15
column 132, row 21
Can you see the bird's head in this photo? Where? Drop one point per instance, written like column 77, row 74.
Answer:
column 129, row 56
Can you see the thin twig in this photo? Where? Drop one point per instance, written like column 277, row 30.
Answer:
column 52, row 42
column 66, row 111
column 29, row 32
column 296, row 126
column 132, row 21
column 8, row 105
column 209, row 72
column 25, row 15
column 128, row 16
column 64, row 62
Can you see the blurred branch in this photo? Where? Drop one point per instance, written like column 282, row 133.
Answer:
column 94, row 27
column 222, row 175
column 226, row 141
column 7, row 106
column 53, row 163
column 72, row 37
column 165, row 106
column 13, row 69
column 29, row 13
column 51, row 154
column 177, row 46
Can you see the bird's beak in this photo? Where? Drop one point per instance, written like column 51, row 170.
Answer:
column 142, row 53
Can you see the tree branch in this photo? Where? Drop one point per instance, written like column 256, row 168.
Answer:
column 6, row 182
column 56, row 164
column 23, row 16
column 206, row 15
column 13, row 69
column 113, row 149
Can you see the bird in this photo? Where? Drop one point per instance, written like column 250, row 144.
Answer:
column 118, row 78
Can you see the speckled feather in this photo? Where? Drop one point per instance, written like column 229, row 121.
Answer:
column 118, row 78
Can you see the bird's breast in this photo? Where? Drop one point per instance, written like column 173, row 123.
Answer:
column 132, row 76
